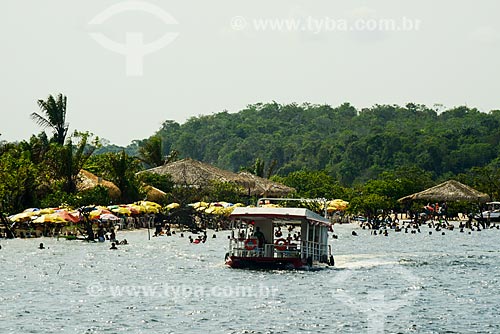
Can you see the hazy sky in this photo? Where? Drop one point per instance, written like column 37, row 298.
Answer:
column 210, row 56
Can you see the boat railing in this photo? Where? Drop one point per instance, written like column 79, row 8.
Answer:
column 241, row 247
column 304, row 249
column 315, row 250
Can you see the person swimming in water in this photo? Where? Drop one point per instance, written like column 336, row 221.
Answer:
column 113, row 246
column 41, row 246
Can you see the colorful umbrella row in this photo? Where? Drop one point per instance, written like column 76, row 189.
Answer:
column 52, row 215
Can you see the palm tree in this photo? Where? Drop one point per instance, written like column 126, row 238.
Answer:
column 122, row 169
column 53, row 116
column 150, row 152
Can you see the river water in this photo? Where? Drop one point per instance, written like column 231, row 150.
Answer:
column 401, row 283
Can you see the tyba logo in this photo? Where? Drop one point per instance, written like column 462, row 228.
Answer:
column 134, row 48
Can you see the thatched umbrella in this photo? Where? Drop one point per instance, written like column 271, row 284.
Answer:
column 262, row 187
column 196, row 173
column 87, row 180
column 192, row 172
column 449, row 191
column 154, row 194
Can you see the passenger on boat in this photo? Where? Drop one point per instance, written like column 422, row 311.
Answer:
column 260, row 237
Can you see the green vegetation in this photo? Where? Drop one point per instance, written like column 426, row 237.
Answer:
column 370, row 157
column 352, row 146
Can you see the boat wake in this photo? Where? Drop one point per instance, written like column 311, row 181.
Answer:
column 362, row 261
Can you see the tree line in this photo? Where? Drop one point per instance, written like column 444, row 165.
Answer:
column 370, row 157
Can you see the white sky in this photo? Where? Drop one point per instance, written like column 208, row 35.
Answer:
column 218, row 63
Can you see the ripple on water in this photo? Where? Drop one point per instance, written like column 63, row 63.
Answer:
column 406, row 283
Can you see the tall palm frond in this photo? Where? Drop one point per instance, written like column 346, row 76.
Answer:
column 151, row 152
column 53, row 116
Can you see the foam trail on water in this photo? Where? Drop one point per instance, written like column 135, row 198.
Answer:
column 361, row 261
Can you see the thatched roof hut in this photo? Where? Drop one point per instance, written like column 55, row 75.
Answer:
column 196, row 173
column 154, row 194
column 87, row 180
column 449, row 191
column 262, row 187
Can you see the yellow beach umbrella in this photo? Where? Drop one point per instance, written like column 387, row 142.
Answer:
column 49, row 218
column 122, row 210
column 23, row 216
column 337, row 205
column 210, row 209
column 198, row 205
column 229, row 210
column 215, row 210
column 152, row 209
column 149, row 207
column 149, row 204
column 95, row 214
column 47, row 211
column 173, row 206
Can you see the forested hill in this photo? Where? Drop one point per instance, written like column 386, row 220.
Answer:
column 351, row 145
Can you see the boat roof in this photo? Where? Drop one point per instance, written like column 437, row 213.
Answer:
column 288, row 215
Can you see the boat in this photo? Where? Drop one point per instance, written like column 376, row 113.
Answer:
column 491, row 214
column 278, row 238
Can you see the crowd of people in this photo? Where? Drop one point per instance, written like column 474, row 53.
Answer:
column 433, row 223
